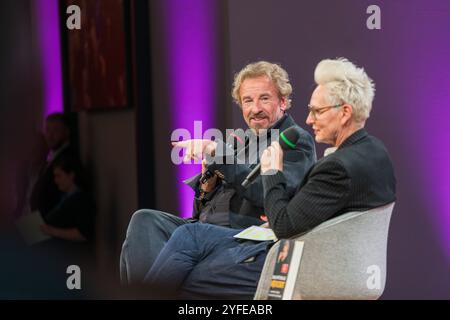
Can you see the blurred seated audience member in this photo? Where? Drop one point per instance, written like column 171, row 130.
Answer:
column 73, row 218
column 45, row 194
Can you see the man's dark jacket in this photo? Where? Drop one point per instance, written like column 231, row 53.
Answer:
column 231, row 205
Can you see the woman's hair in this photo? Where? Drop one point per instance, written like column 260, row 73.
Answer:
column 346, row 83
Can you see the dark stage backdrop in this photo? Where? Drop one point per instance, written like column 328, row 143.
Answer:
column 409, row 59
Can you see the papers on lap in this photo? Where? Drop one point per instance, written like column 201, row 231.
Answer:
column 257, row 233
column 29, row 228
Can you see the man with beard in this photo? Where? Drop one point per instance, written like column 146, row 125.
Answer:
column 262, row 90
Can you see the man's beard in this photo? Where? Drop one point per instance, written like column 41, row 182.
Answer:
column 256, row 128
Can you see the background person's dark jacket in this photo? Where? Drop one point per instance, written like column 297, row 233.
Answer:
column 45, row 194
column 75, row 210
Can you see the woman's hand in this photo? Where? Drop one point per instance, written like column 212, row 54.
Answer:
column 272, row 159
column 71, row 234
column 47, row 229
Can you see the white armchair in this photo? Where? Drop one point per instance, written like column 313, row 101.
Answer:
column 343, row 258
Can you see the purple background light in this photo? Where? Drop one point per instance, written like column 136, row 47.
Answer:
column 50, row 51
column 191, row 50
column 416, row 74
column 428, row 121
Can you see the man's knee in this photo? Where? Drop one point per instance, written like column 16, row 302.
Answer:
column 143, row 219
column 196, row 230
column 186, row 230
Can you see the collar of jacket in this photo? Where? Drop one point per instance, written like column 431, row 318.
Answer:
column 355, row 137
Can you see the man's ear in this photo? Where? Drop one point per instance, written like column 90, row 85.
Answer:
column 283, row 102
column 347, row 111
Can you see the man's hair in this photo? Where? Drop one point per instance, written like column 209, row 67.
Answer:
column 273, row 71
column 346, row 83
column 59, row 117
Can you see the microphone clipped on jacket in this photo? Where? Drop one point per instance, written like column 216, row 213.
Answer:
column 288, row 140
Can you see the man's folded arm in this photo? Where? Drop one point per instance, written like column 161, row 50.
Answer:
column 323, row 196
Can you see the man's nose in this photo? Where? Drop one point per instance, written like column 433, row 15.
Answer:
column 256, row 107
column 309, row 119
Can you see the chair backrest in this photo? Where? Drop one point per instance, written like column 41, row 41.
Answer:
column 343, row 258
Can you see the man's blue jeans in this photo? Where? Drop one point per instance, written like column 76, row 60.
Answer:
column 204, row 261
column 147, row 233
